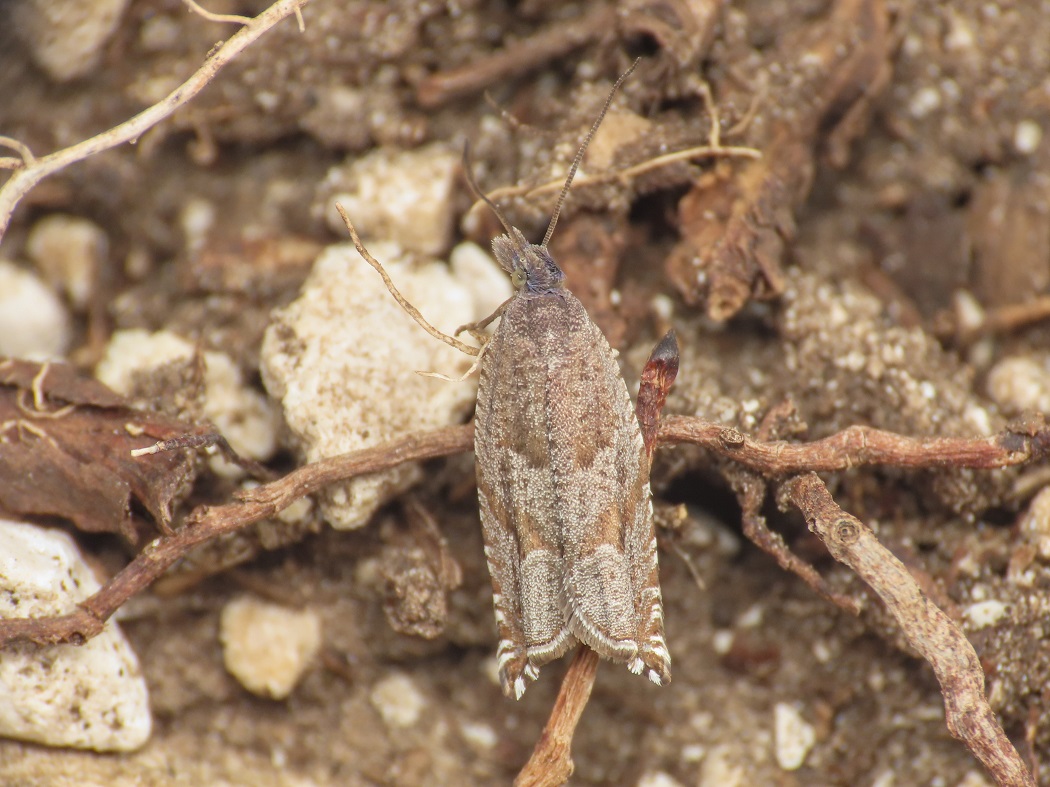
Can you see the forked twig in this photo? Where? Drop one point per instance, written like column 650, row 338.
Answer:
column 852, row 447
column 932, row 633
column 836, row 452
column 35, row 170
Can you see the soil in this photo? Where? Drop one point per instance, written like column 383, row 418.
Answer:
column 905, row 175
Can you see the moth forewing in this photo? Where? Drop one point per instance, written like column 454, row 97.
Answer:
column 563, row 486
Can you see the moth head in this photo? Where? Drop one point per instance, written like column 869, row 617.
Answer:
column 531, row 267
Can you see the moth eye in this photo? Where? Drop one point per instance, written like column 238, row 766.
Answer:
column 517, row 278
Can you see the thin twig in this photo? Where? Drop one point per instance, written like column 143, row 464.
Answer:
column 26, row 155
column 619, row 175
column 24, row 179
column 212, row 17
column 208, row 522
column 857, row 446
column 193, row 442
column 520, row 57
column 853, row 447
column 928, row 630
column 751, row 493
column 1001, row 319
column 551, row 761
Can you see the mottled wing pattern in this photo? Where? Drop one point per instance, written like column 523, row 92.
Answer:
column 605, row 505
column 521, row 541
column 578, row 561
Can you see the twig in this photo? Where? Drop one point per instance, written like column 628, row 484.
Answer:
column 701, row 151
column 1001, row 319
column 751, row 493
column 928, row 630
column 206, row 523
column 852, row 447
column 536, row 51
column 857, row 446
column 551, row 760
column 207, row 440
column 213, row 17
column 24, row 179
column 27, row 159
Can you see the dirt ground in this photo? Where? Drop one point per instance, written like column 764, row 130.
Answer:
column 902, row 199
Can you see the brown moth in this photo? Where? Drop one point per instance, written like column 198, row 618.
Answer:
column 563, row 478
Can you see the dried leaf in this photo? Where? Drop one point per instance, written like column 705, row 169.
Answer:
column 65, row 450
column 734, row 232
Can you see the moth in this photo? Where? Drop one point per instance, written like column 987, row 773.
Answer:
column 562, row 470
column 563, row 478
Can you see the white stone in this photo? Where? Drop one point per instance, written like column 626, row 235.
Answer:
column 398, row 700
column 1035, row 524
column 658, row 779
column 479, row 735
column 33, row 322
column 69, row 251
column 243, row 416
column 985, row 613
column 65, row 39
column 474, row 268
column 1020, row 383
column 342, row 360
column 90, row 696
column 723, row 767
column 402, row 195
column 267, row 647
column 793, row 736
column 1027, row 136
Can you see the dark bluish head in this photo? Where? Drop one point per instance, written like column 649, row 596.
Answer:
column 531, row 267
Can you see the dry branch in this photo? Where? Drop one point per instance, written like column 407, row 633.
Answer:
column 857, row 446
column 932, row 633
column 850, row 448
column 35, row 170
column 928, row 629
column 208, row 522
column 521, row 57
column 551, row 760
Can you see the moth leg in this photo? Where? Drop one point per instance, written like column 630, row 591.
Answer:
column 476, row 329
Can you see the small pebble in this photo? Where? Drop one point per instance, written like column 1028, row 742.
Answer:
column 723, row 767
column 658, row 779
column 33, row 322
column 397, row 195
column 69, row 251
column 91, row 696
column 479, row 735
column 398, row 701
column 1027, row 136
column 1035, row 524
column 1020, row 383
column 793, row 737
column 65, row 39
column 267, row 647
column 985, row 613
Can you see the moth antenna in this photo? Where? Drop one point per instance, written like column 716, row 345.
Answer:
column 479, row 193
column 583, row 149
